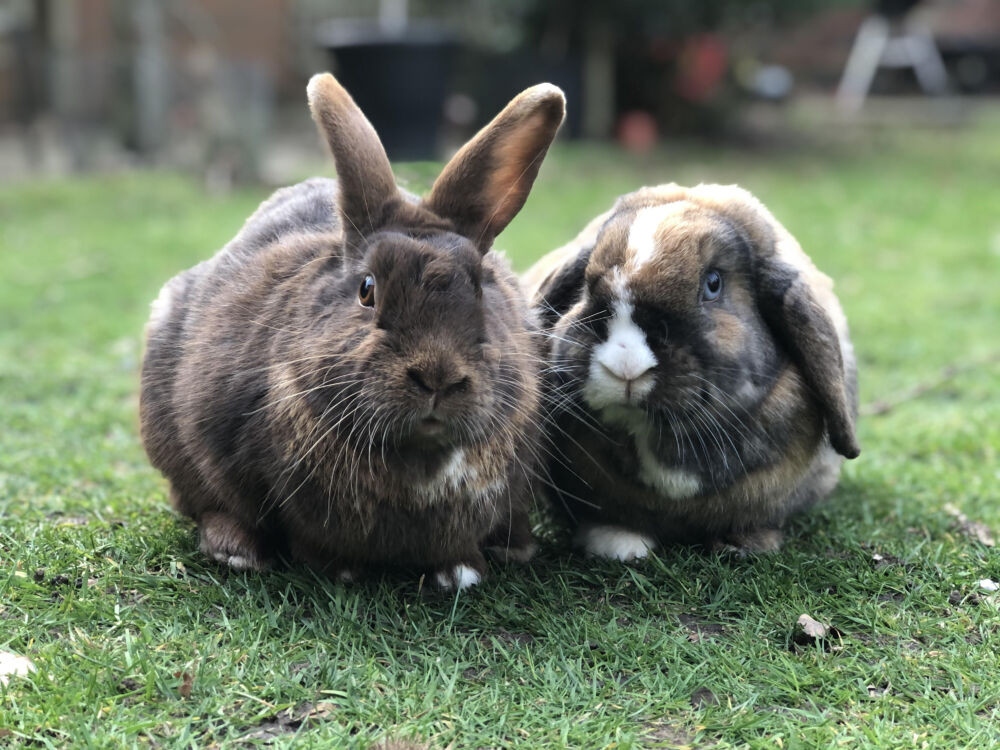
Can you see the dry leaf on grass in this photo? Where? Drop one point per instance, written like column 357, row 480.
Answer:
column 187, row 681
column 12, row 665
column 811, row 628
column 810, row 631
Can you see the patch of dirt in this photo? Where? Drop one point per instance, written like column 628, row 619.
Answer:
column 975, row 530
column 698, row 629
column 128, row 685
column 885, row 561
column 399, row 745
column 475, row 674
column 891, row 596
column 703, row 697
column 660, row 734
column 290, row 721
column 956, row 598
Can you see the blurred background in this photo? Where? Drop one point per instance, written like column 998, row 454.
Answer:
column 216, row 87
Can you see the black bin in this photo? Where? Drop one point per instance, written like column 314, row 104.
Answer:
column 399, row 81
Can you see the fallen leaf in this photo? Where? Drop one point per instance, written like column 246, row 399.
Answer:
column 812, row 629
column 12, row 665
column 187, row 681
column 972, row 529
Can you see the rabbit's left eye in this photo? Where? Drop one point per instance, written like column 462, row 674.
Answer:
column 366, row 292
column 711, row 288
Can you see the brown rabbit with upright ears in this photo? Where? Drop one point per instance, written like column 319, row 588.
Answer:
column 702, row 379
column 352, row 381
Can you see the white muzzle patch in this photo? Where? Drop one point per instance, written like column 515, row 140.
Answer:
column 621, row 367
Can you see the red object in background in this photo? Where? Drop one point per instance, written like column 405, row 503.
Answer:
column 637, row 130
column 702, row 65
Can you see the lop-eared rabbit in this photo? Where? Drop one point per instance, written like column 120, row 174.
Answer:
column 701, row 381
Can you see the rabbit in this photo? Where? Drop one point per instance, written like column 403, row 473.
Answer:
column 701, row 381
column 352, row 383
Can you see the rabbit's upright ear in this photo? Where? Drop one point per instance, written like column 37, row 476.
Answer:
column 366, row 182
column 801, row 324
column 484, row 186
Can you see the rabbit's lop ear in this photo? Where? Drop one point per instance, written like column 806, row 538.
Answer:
column 366, row 182
column 484, row 186
column 803, row 326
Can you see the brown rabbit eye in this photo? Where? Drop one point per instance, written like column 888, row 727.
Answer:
column 712, row 287
column 366, row 292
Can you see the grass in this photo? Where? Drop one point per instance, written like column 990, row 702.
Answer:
column 138, row 641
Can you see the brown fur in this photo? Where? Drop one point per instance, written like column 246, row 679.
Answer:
column 294, row 421
column 753, row 395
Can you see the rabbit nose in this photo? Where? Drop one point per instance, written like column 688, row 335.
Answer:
column 626, row 363
column 626, row 374
column 437, row 381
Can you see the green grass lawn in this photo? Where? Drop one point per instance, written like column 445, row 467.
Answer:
column 137, row 640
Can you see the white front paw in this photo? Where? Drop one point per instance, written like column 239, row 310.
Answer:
column 240, row 562
column 614, row 542
column 460, row 577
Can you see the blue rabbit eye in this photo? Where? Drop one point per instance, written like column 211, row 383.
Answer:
column 712, row 287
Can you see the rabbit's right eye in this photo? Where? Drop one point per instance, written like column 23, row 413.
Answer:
column 366, row 292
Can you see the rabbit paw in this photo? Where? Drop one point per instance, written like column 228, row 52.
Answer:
column 513, row 554
column 458, row 577
column 227, row 541
column 753, row 542
column 613, row 542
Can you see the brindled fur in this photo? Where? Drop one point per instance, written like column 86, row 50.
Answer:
column 678, row 418
column 293, row 420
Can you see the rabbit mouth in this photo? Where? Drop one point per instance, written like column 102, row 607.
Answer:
column 431, row 426
column 428, row 435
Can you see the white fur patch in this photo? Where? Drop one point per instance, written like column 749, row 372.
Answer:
column 458, row 475
column 642, row 233
column 456, row 470
column 236, row 562
column 620, row 366
column 161, row 307
column 460, row 577
column 677, row 484
column 614, row 542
